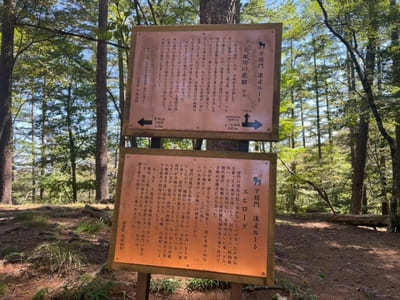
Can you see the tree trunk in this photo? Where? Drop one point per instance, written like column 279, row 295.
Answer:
column 72, row 148
column 394, row 143
column 363, row 128
column 381, row 161
column 101, row 107
column 317, row 101
column 6, row 130
column 293, row 187
column 328, row 113
column 395, row 150
column 351, row 86
column 360, row 157
column 43, row 158
column 33, row 149
column 121, row 78
column 220, row 12
column 303, row 131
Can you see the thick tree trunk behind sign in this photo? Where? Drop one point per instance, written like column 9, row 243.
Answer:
column 101, row 107
column 220, row 12
column 6, row 131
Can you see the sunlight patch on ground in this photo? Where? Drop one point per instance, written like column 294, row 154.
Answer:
column 312, row 225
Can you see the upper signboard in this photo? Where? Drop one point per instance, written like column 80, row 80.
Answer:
column 206, row 81
column 201, row 214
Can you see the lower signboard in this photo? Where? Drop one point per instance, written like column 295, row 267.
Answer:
column 195, row 213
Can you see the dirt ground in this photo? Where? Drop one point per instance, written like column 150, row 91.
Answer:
column 59, row 253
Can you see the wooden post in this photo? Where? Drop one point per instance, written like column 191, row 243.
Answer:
column 236, row 291
column 143, row 286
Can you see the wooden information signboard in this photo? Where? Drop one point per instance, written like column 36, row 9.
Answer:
column 199, row 214
column 205, row 81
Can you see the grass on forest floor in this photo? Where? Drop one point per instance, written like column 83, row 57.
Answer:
column 31, row 219
column 12, row 255
column 296, row 291
column 57, row 257
column 3, row 287
column 201, row 285
column 164, row 286
column 89, row 288
column 90, row 226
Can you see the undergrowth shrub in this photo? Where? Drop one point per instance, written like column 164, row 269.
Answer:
column 56, row 257
column 164, row 286
column 31, row 219
column 90, row 227
column 89, row 289
column 3, row 288
column 198, row 284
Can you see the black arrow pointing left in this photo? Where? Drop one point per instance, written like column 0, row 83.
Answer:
column 143, row 122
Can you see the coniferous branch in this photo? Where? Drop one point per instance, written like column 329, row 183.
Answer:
column 67, row 33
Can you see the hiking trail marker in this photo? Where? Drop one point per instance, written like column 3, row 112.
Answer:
column 202, row 82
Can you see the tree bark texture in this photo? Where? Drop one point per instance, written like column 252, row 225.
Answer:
column 72, row 147
column 316, row 79
column 6, row 129
column 363, row 127
column 33, row 150
column 101, row 107
column 220, row 12
column 395, row 151
column 43, row 157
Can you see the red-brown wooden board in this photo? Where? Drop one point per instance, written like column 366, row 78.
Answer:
column 208, row 81
column 196, row 213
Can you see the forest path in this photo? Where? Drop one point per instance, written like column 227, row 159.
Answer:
column 314, row 260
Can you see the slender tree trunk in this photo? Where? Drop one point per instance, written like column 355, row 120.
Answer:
column 33, row 150
column 316, row 82
column 328, row 112
column 220, row 12
column 101, row 107
column 72, row 147
column 293, row 187
column 351, row 86
column 43, row 157
column 121, row 78
column 382, row 175
column 303, row 130
column 381, row 149
column 6, row 129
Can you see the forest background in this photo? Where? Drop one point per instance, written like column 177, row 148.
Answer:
column 60, row 124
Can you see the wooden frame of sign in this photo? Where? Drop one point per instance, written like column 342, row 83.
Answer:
column 238, row 123
column 267, row 279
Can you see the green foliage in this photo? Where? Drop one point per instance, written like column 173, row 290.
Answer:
column 32, row 219
column 6, row 250
column 198, row 284
column 42, row 294
column 90, row 226
column 15, row 257
column 57, row 257
column 3, row 287
column 89, row 289
column 164, row 286
column 296, row 291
